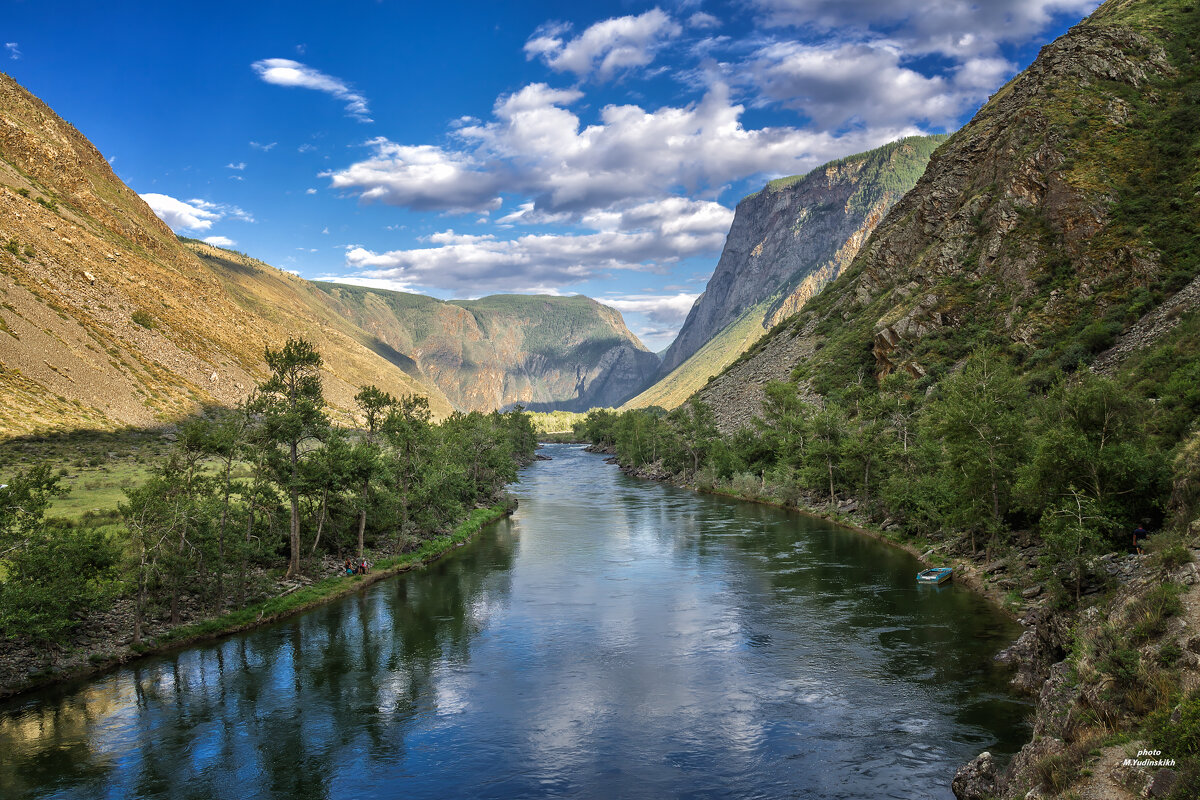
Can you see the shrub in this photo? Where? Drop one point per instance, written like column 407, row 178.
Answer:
column 1149, row 616
column 142, row 318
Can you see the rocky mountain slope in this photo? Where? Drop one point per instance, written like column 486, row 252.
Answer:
column 786, row 243
column 539, row 351
column 1059, row 217
column 108, row 320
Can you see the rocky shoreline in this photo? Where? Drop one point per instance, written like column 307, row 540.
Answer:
column 1041, row 657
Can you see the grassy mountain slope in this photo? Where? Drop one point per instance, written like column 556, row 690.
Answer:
column 786, row 243
column 108, row 320
column 540, row 351
column 1059, row 217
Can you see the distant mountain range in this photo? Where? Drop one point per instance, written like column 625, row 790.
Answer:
column 107, row 319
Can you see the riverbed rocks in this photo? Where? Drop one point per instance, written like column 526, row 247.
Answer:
column 976, row 780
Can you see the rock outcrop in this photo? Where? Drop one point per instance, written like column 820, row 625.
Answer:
column 785, row 244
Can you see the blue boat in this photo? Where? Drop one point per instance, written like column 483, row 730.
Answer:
column 935, row 575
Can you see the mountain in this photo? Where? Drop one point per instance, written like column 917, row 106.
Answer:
column 107, row 319
column 786, row 243
column 1050, row 228
column 539, row 351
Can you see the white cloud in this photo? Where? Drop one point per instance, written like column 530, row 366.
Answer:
column 959, row 28
column 422, row 177
column 14, row 51
column 192, row 215
column 703, row 21
column 310, row 190
column 605, row 48
column 238, row 166
column 180, row 215
column 285, row 72
column 537, row 147
column 306, row 148
column 219, row 241
column 666, row 310
column 866, row 84
column 643, row 237
column 264, row 147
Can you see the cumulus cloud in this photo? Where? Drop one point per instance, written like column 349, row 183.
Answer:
column 219, row 241
column 959, row 28
column 703, row 21
column 191, row 215
column 285, row 72
column 310, row 190
column 867, row 84
column 538, row 147
column 608, row 47
column 667, row 310
column 238, row 166
column 647, row 236
column 180, row 215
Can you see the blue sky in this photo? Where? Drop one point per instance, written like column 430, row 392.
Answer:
column 465, row 149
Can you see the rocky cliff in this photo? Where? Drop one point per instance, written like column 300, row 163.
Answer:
column 1059, row 217
column 786, row 243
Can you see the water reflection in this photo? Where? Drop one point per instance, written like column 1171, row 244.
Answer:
column 615, row 638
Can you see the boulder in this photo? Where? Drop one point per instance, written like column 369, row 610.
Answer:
column 975, row 780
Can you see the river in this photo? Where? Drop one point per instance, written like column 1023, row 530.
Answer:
column 615, row 638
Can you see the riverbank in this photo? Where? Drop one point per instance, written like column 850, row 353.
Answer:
column 1127, row 653
column 115, row 649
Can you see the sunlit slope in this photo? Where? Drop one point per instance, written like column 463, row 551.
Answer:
column 538, row 351
column 107, row 320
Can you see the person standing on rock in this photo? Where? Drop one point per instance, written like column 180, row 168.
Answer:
column 1139, row 537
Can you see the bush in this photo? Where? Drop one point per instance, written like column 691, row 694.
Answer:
column 1149, row 616
column 142, row 318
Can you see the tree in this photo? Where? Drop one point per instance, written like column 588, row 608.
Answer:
column 1092, row 436
column 375, row 405
column 1073, row 530
column 292, row 405
column 980, row 419
column 829, row 427
column 786, row 423
column 407, row 430
column 52, row 571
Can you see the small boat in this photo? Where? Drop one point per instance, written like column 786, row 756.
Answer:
column 935, row 575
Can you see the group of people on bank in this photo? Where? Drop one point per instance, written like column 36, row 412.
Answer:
column 355, row 569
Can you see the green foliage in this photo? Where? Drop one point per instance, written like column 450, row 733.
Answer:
column 1148, row 618
column 1073, row 530
column 1176, row 733
column 52, row 572
column 142, row 318
column 1092, row 435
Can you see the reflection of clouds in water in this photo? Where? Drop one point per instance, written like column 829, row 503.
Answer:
column 640, row 641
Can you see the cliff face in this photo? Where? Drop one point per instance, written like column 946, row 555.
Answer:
column 786, row 243
column 541, row 352
column 1048, row 227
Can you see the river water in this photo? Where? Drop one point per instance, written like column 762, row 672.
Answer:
column 614, row 639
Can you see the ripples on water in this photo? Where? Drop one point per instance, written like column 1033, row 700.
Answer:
column 615, row 638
